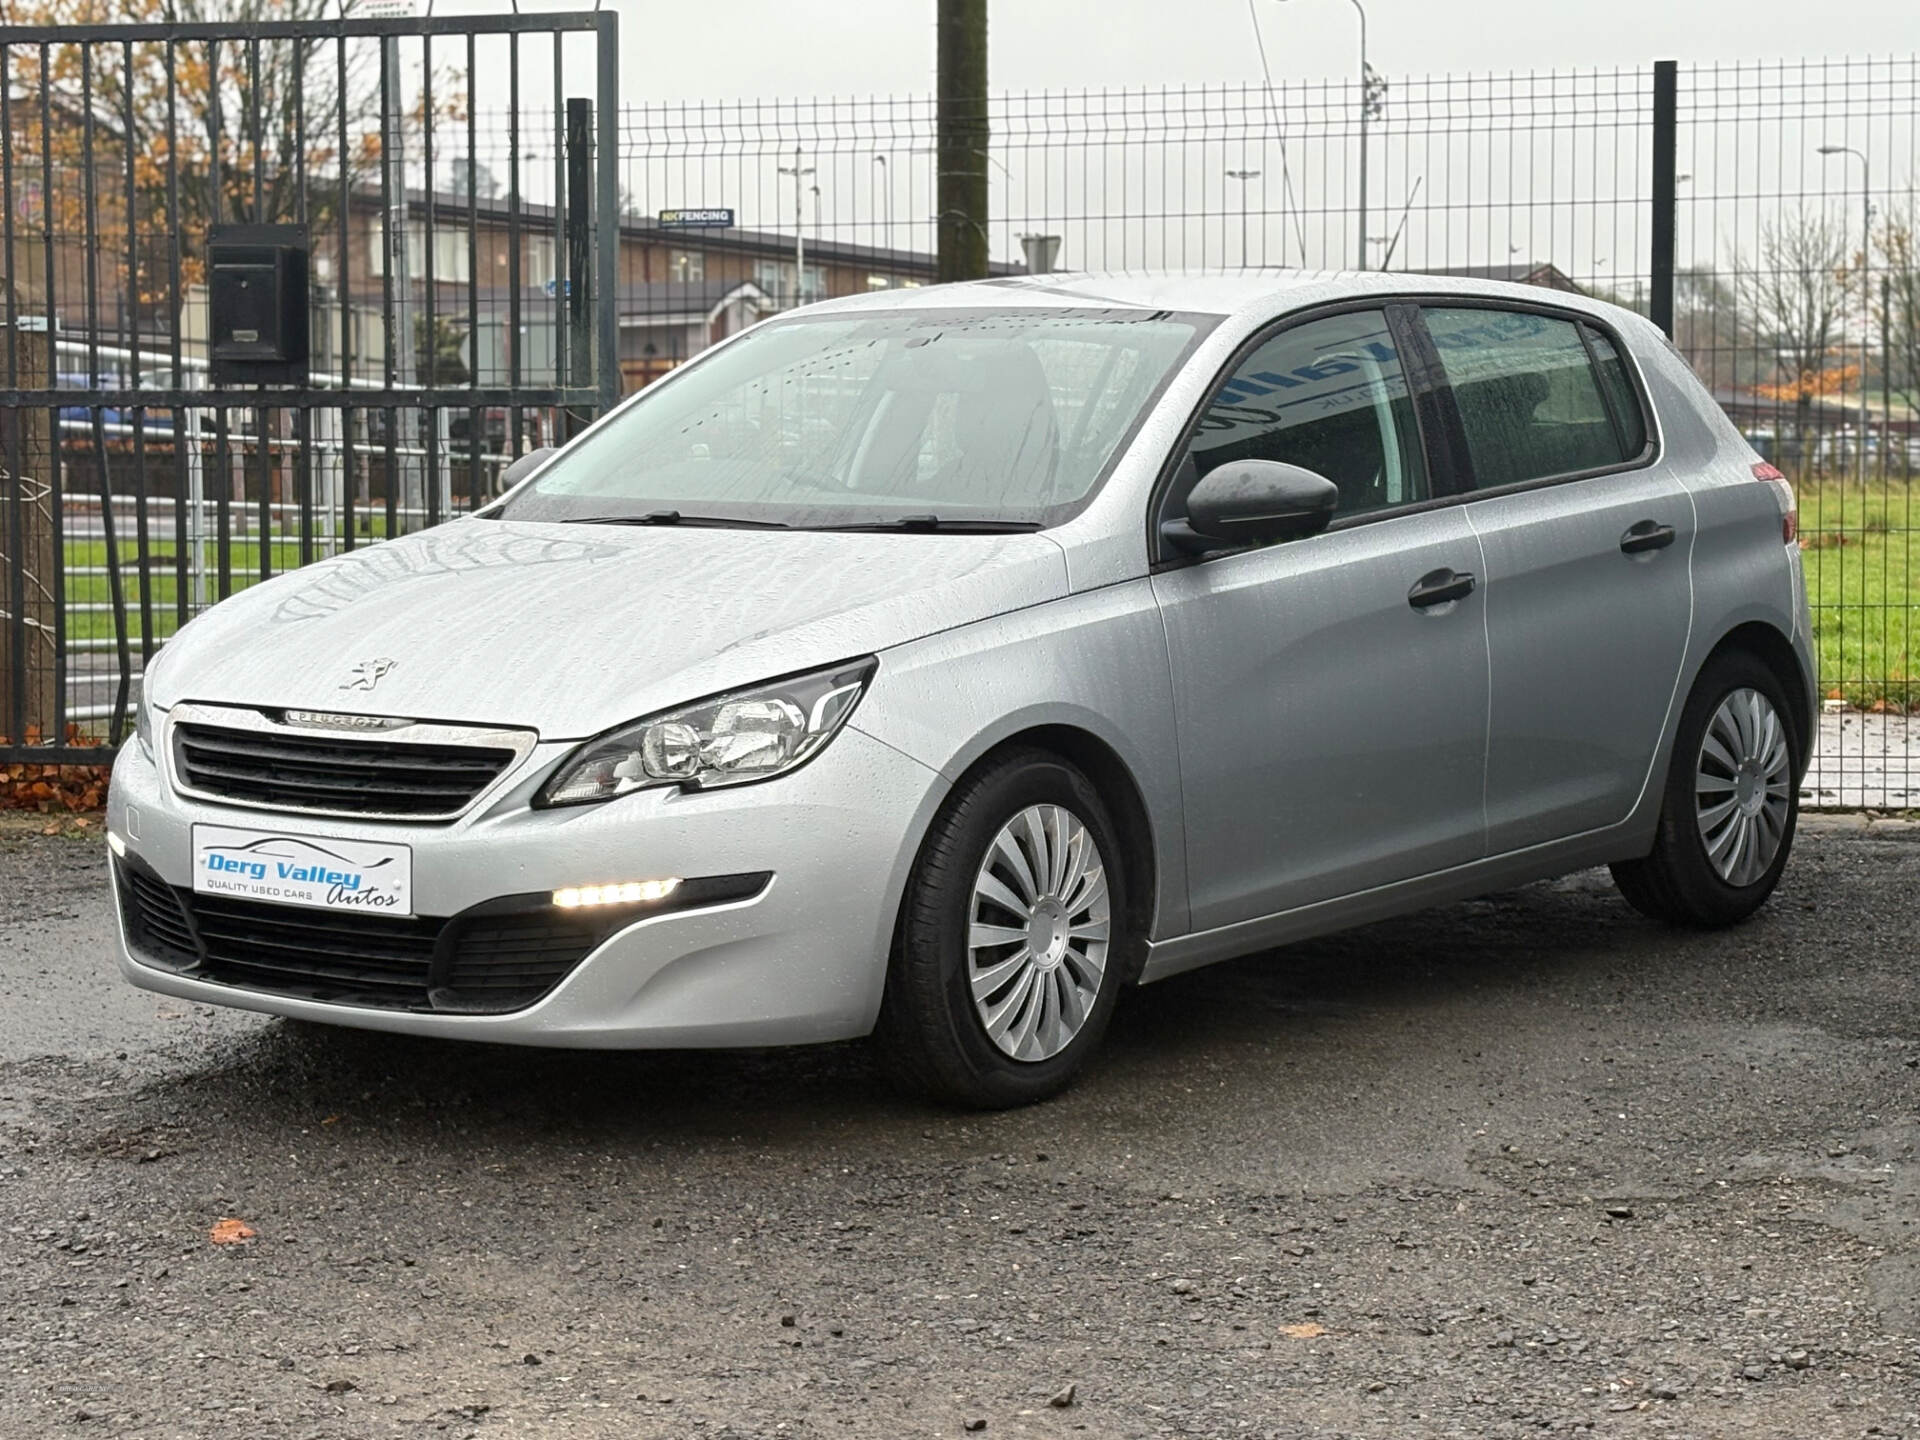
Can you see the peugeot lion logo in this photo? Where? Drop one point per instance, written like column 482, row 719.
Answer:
column 367, row 674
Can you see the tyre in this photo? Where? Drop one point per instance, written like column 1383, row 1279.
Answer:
column 1012, row 942
column 1730, row 804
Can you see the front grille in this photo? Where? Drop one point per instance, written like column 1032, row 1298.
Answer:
column 500, row 956
column 321, row 954
column 344, row 774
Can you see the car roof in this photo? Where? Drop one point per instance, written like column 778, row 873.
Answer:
column 1252, row 293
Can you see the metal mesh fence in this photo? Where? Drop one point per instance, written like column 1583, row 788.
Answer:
column 1798, row 308
column 1795, row 300
column 1771, row 215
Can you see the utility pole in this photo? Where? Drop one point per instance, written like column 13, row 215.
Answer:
column 799, row 172
column 962, row 136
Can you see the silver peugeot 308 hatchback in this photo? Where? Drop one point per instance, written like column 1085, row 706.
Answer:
column 938, row 664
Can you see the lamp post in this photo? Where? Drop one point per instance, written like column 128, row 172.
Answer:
column 799, row 173
column 1244, row 177
column 886, row 195
column 1366, row 112
column 816, row 223
column 1866, row 286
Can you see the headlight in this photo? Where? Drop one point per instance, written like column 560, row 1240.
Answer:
column 731, row 739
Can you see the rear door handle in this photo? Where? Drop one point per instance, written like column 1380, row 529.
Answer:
column 1437, row 587
column 1646, row 535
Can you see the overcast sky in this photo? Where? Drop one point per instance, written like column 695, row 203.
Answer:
column 1552, row 195
column 733, row 49
column 723, row 49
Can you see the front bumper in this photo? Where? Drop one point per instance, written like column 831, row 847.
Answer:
column 802, row 961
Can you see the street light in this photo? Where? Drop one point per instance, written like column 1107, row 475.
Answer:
column 1368, row 101
column 1243, row 176
column 799, row 173
column 1866, row 285
column 816, row 214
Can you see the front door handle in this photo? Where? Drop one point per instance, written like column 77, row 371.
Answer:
column 1437, row 587
column 1646, row 535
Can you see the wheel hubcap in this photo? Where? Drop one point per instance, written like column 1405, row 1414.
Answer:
column 1038, row 932
column 1742, row 787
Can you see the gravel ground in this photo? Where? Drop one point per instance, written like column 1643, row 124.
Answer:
column 1525, row 1164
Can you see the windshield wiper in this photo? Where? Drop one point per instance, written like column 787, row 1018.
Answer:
column 675, row 517
column 935, row 524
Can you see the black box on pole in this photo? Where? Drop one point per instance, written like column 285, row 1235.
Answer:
column 257, row 304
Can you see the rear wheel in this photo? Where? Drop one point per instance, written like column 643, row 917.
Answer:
column 1730, row 805
column 1012, row 937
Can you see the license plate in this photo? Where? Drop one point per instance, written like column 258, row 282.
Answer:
column 312, row 870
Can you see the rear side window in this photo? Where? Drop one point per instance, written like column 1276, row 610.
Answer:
column 1535, row 396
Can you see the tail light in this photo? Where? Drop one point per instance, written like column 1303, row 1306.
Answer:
column 1789, row 507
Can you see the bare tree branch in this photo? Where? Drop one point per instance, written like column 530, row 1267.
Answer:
column 1795, row 299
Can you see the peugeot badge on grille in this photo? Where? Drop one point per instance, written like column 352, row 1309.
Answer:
column 367, row 674
column 327, row 720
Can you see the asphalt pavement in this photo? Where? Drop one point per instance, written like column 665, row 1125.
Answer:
column 1525, row 1165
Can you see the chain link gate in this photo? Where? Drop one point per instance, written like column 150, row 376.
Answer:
column 456, row 253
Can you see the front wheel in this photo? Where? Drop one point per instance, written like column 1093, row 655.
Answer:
column 1730, row 805
column 1012, row 940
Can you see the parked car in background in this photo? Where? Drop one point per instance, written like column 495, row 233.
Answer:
column 117, row 420
column 937, row 664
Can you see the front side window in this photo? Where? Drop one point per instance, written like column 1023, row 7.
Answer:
column 1331, row 396
column 996, row 416
column 1529, row 396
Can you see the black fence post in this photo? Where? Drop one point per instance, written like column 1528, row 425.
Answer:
column 580, row 219
column 606, row 211
column 1666, row 142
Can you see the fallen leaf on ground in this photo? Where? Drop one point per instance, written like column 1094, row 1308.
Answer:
column 231, row 1232
column 1306, row 1330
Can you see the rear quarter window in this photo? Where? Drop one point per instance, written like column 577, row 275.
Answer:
column 1622, row 399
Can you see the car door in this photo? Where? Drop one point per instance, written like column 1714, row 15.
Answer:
column 1587, row 541
column 1330, row 692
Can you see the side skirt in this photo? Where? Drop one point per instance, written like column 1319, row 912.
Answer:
column 1463, row 882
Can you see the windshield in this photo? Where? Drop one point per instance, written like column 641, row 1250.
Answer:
column 896, row 417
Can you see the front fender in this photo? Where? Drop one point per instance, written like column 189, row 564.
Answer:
column 1094, row 662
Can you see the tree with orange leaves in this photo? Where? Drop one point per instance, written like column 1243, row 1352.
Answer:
column 1795, row 301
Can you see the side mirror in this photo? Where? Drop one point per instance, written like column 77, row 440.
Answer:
column 524, row 466
column 1254, row 502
